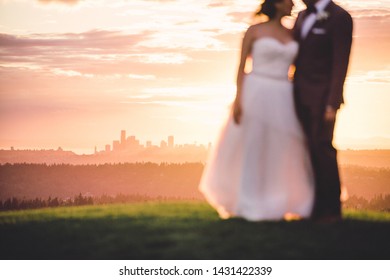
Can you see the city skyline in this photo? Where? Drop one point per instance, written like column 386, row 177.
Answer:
column 357, row 144
column 124, row 144
column 126, row 149
column 131, row 143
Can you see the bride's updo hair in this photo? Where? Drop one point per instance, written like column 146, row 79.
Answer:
column 268, row 8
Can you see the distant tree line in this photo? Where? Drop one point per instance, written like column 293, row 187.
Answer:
column 15, row 203
column 26, row 186
column 64, row 180
column 377, row 203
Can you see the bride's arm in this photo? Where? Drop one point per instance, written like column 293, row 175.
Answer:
column 245, row 51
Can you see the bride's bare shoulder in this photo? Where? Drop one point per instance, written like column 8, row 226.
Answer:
column 258, row 26
column 257, row 29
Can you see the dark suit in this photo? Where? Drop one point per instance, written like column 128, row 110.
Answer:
column 321, row 68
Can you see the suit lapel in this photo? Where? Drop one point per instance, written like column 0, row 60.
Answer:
column 298, row 26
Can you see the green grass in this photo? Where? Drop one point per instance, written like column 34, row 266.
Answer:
column 184, row 230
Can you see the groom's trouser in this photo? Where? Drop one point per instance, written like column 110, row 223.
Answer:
column 324, row 161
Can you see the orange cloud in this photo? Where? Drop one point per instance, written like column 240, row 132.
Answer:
column 68, row 2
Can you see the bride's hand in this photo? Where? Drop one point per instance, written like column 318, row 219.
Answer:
column 237, row 111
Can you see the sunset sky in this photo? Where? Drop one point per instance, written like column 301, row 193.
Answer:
column 73, row 73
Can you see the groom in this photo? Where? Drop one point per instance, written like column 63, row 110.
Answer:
column 324, row 32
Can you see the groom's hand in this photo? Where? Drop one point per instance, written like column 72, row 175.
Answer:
column 330, row 114
column 237, row 111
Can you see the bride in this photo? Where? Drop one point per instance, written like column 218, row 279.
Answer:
column 259, row 168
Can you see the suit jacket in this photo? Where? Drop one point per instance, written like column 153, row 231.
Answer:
column 322, row 60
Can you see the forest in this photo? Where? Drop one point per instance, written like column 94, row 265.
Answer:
column 378, row 203
column 25, row 186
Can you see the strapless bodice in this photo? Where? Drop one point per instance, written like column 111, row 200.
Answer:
column 272, row 58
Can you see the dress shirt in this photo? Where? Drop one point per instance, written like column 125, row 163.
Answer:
column 311, row 19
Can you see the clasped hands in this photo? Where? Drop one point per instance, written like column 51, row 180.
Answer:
column 237, row 111
column 330, row 114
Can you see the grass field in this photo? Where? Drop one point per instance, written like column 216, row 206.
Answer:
column 184, row 230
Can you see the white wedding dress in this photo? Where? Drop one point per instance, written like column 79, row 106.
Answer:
column 260, row 169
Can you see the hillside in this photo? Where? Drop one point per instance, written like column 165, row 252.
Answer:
column 146, row 179
column 186, row 230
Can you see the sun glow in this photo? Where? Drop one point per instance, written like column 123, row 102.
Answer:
column 79, row 71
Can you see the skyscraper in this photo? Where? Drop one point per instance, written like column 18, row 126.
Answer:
column 116, row 146
column 123, row 137
column 170, row 141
